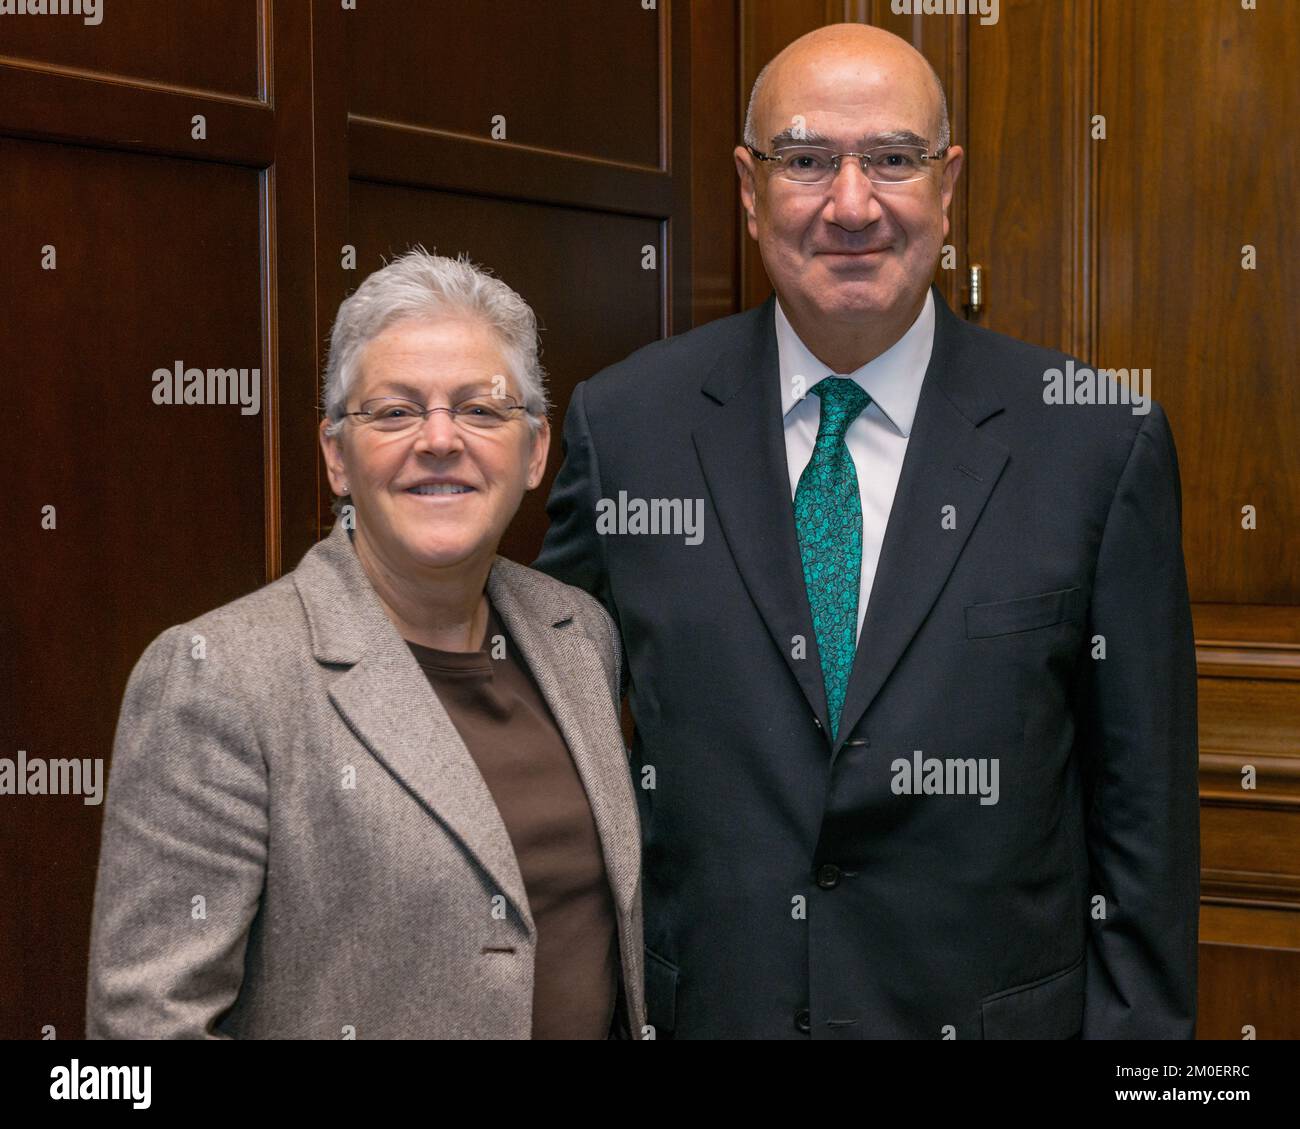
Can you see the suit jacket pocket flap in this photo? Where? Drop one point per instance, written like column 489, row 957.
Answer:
column 1008, row 616
column 660, row 992
column 1050, row 1008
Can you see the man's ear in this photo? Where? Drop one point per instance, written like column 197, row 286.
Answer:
column 748, row 188
column 947, row 185
column 951, row 171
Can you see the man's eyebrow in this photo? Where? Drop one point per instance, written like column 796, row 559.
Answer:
column 793, row 136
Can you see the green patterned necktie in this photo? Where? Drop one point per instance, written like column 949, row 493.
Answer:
column 828, row 518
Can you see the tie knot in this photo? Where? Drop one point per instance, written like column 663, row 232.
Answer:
column 842, row 402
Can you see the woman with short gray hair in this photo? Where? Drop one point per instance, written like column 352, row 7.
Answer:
column 388, row 796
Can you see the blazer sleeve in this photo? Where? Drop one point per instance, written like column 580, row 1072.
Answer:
column 183, row 851
column 573, row 551
column 1141, row 760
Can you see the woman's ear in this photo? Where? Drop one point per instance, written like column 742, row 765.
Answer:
column 541, row 441
column 332, row 448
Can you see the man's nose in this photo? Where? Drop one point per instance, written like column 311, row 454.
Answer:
column 853, row 200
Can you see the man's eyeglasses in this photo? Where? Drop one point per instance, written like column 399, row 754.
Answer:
column 393, row 415
column 882, row 164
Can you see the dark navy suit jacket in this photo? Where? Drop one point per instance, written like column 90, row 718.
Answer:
column 791, row 888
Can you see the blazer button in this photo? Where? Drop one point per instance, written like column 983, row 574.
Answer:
column 803, row 1020
column 828, row 876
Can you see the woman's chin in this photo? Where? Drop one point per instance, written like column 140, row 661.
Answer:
column 445, row 552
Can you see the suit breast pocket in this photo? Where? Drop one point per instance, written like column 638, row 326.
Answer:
column 1027, row 613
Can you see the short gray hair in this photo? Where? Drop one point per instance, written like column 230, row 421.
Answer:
column 422, row 286
column 751, row 130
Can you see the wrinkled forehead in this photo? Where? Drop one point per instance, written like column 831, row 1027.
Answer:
column 854, row 101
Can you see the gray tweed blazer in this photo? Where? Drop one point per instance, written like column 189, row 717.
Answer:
column 297, row 843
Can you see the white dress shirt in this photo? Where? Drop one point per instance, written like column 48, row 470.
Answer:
column 877, row 439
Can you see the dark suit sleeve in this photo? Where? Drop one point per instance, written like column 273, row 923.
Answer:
column 1139, row 745
column 573, row 551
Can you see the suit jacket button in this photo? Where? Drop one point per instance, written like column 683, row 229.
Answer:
column 828, row 876
column 803, row 1020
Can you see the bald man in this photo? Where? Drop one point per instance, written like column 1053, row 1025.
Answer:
column 908, row 640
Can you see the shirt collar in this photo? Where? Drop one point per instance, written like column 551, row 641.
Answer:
column 892, row 380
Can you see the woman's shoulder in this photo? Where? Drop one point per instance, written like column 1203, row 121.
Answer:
column 246, row 641
column 552, row 599
column 542, row 592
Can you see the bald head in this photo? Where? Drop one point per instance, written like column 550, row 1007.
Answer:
column 838, row 48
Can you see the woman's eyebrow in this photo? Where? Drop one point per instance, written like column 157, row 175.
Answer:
column 397, row 388
column 401, row 389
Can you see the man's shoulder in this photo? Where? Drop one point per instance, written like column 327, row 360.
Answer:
column 667, row 366
column 1050, row 393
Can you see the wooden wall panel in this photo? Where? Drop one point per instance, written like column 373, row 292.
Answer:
column 1195, row 98
column 1239, row 989
column 579, row 270
column 578, row 77
column 158, row 507
column 1195, row 167
column 168, row 247
column 1028, row 171
column 212, row 45
column 716, row 129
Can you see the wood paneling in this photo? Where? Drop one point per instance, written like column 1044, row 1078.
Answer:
column 1239, row 990
column 716, row 229
column 1196, row 165
column 158, row 507
column 325, row 127
column 210, row 45
column 168, row 248
column 1028, row 172
column 1196, row 97
column 579, row 77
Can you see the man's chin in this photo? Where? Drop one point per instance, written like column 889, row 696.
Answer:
column 857, row 300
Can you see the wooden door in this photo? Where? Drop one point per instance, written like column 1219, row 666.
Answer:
column 200, row 184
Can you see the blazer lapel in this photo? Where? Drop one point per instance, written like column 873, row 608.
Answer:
column 569, row 673
column 742, row 454
column 949, row 462
column 388, row 704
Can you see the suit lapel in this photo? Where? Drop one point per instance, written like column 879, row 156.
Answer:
column 742, row 455
column 388, row 704
column 949, row 462
column 569, row 673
